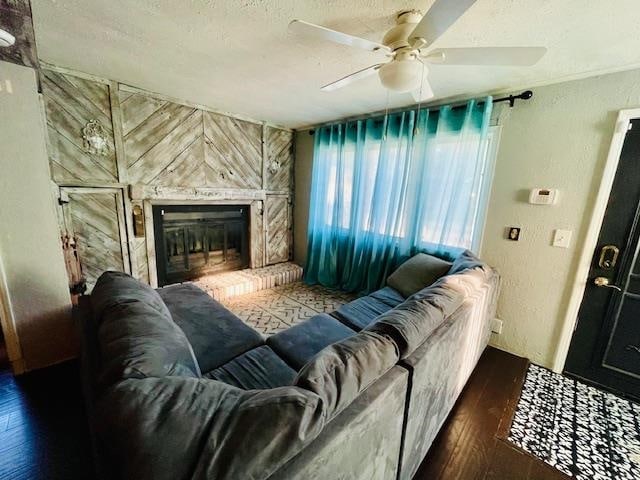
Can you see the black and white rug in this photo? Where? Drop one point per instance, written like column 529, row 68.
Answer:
column 583, row 432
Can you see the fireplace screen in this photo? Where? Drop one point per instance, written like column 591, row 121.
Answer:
column 195, row 240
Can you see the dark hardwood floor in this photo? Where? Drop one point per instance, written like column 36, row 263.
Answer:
column 43, row 431
column 471, row 444
column 44, row 434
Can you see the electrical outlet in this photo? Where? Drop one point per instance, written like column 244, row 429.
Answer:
column 496, row 326
column 513, row 233
column 6, row 86
column 562, row 238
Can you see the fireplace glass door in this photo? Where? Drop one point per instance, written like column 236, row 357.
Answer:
column 195, row 240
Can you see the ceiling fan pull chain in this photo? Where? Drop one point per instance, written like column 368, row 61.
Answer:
column 386, row 119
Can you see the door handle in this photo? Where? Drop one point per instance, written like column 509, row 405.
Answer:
column 608, row 256
column 604, row 282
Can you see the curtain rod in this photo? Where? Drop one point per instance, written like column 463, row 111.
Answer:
column 526, row 95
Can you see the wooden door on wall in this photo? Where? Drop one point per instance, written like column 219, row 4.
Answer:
column 278, row 228
column 95, row 218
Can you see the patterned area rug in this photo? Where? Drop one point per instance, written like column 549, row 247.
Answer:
column 581, row 431
column 275, row 309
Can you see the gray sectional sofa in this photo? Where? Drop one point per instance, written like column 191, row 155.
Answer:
column 178, row 387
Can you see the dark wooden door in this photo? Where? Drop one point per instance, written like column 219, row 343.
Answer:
column 605, row 348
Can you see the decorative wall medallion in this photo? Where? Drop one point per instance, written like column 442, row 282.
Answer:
column 274, row 167
column 95, row 139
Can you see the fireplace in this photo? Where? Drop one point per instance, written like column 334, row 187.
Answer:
column 195, row 240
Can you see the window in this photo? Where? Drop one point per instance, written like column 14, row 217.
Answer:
column 386, row 187
column 473, row 182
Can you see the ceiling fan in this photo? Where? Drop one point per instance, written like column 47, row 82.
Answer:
column 408, row 46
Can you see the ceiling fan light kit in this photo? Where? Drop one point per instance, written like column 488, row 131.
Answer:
column 402, row 75
column 408, row 44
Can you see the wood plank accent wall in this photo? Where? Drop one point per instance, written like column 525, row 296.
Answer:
column 95, row 216
column 71, row 103
column 279, row 159
column 278, row 234
column 159, row 149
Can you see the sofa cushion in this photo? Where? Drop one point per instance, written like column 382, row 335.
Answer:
column 443, row 294
column 215, row 333
column 464, row 261
column 257, row 369
column 361, row 312
column 409, row 324
column 388, row 295
column 418, row 272
column 178, row 428
column 340, row 372
column 136, row 335
column 412, row 322
column 298, row 344
column 116, row 288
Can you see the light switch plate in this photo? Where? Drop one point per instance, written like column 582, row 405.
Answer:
column 496, row 326
column 562, row 238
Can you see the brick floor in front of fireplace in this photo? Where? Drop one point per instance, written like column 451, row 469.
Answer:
column 275, row 309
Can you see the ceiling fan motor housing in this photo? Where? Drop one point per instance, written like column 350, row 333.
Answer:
column 398, row 36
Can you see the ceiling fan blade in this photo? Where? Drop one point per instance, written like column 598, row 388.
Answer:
column 441, row 15
column 424, row 92
column 344, row 81
column 516, row 56
column 318, row 31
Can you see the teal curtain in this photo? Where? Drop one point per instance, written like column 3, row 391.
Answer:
column 386, row 188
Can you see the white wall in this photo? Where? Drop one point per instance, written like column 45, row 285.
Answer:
column 559, row 139
column 303, row 164
column 31, row 258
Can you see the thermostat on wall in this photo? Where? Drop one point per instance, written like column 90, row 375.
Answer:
column 543, row 196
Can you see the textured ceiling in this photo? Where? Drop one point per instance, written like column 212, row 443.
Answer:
column 237, row 55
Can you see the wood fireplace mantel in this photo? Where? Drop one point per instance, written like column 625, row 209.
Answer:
column 152, row 192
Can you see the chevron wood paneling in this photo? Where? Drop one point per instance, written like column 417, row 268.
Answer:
column 70, row 103
column 94, row 217
column 162, row 142
column 257, row 229
column 167, row 144
column 279, row 158
column 140, row 253
column 278, row 233
column 233, row 152
column 154, row 142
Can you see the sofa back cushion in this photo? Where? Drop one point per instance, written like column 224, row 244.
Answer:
column 136, row 334
column 443, row 294
column 466, row 260
column 418, row 272
column 338, row 373
column 178, row 428
column 410, row 324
